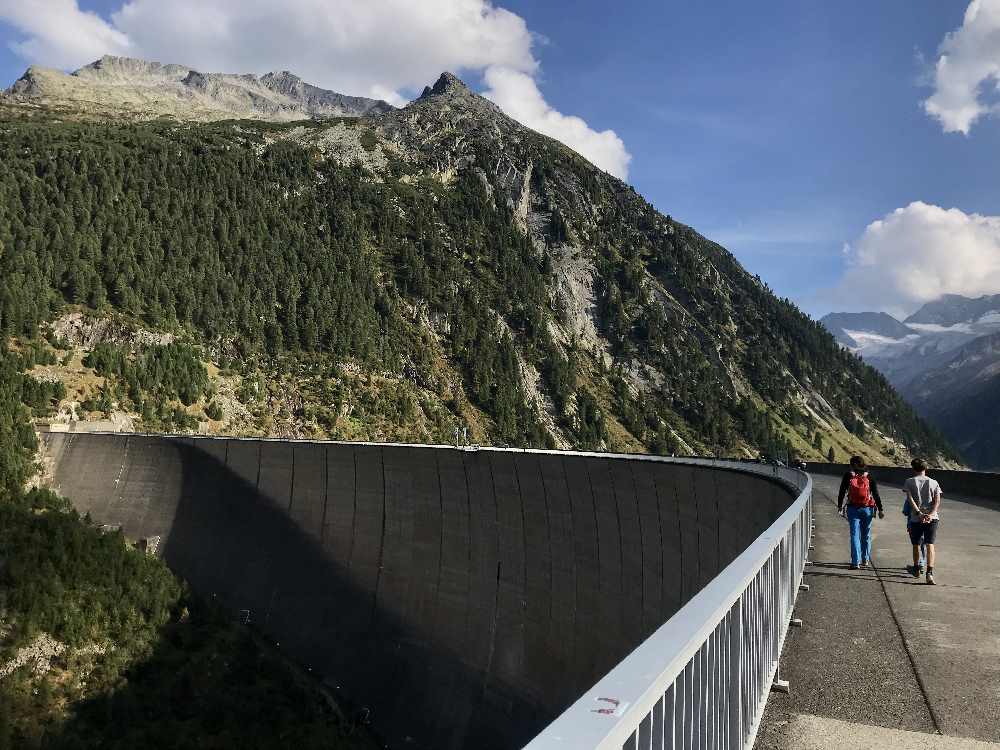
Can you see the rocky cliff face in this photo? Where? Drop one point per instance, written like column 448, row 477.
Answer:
column 536, row 298
column 133, row 88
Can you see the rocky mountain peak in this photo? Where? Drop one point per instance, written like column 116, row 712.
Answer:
column 116, row 69
column 27, row 83
column 142, row 89
column 880, row 324
column 283, row 80
column 282, row 75
column 447, row 83
column 951, row 309
column 110, row 62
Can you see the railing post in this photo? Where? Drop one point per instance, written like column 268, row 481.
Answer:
column 735, row 728
column 670, row 717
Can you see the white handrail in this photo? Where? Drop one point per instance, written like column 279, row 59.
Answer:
column 702, row 679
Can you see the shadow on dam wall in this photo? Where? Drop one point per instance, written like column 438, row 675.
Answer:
column 466, row 598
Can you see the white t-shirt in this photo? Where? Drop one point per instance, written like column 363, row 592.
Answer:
column 923, row 490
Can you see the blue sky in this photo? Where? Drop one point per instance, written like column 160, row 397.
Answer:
column 780, row 129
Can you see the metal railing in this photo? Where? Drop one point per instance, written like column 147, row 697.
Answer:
column 701, row 680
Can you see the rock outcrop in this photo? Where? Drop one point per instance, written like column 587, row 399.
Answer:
column 140, row 89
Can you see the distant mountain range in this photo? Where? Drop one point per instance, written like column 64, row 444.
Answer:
column 141, row 89
column 944, row 359
column 867, row 324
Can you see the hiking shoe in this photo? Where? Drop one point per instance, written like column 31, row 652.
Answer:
column 866, row 563
column 854, row 567
column 930, row 579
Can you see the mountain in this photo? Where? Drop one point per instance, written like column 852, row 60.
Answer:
column 971, row 422
column 963, row 373
column 129, row 87
column 962, row 397
column 852, row 329
column 954, row 309
column 399, row 275
column 943, row 359
column 927, row 339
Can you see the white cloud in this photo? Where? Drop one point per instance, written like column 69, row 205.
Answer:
column 356, row 46
column 365, row 47
column 918, row 253
column 968, row 65
column 60, row 35
column 517, row 94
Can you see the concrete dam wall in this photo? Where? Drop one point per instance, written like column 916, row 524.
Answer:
column 465, row 598
column 982, row 484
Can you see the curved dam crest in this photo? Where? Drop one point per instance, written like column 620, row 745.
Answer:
column 465, row 598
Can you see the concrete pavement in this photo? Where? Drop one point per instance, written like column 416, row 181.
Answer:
column 884, row 660
column 806, row 732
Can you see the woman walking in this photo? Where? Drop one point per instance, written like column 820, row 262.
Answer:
column 861, row 492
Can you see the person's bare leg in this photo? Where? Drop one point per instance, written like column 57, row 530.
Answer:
column 930, row 556
column 916, row 555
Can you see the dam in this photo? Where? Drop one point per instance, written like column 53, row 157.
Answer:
column 457, row 598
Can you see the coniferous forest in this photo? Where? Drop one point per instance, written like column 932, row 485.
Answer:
column 141, row 661
column 265, row 252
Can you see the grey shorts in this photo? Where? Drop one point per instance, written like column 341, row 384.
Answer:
column 923, row 533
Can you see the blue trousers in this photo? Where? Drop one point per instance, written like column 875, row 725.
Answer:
column 860, row 520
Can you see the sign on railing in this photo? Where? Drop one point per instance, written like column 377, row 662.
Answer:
column 702, row 679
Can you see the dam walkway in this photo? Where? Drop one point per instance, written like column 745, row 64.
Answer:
column 884, row 660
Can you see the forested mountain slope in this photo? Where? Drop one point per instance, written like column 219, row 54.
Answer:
column 102, row 646
column 409, row 272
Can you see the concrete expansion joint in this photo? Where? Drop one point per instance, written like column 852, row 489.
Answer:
column 909, row 654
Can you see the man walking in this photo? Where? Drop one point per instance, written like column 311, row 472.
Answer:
column 924, row 496
column 861, row 492
column 912, row 517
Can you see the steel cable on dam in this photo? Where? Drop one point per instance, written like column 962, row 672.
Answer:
column 464, row 598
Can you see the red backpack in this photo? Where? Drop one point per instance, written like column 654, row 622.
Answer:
column 859, row 491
